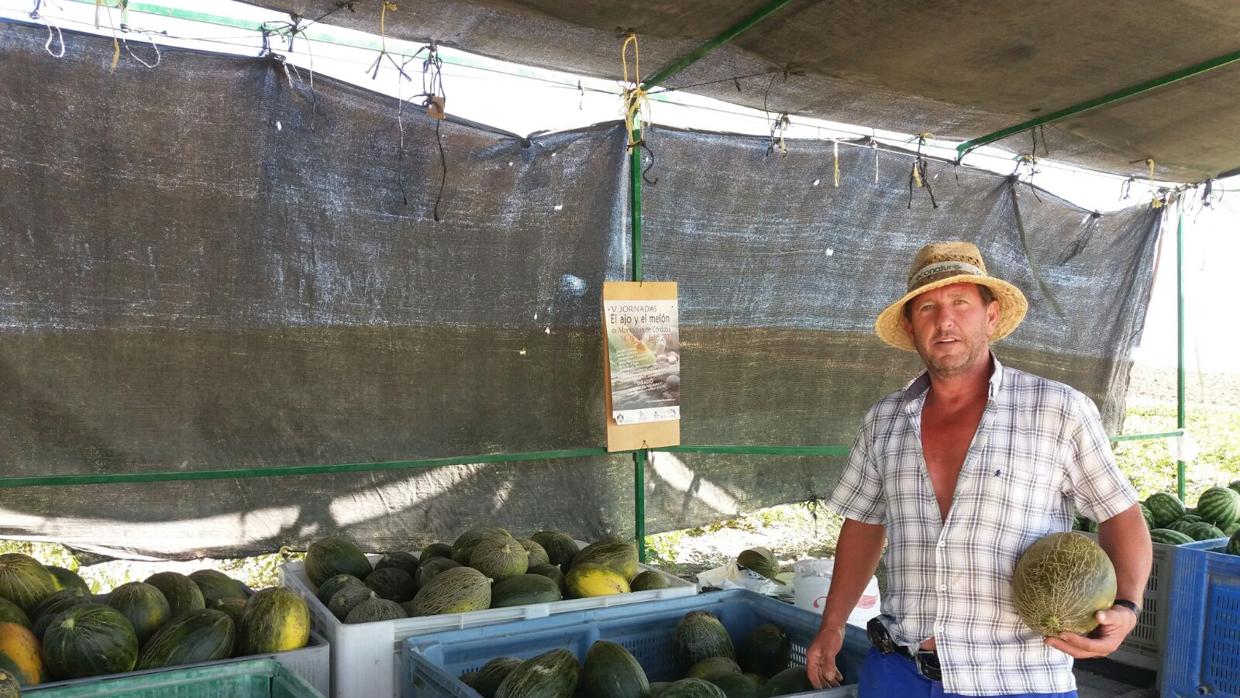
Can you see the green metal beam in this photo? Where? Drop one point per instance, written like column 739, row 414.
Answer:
column 289, row 470
column 1111, row 98
column 635, row 218
column 731, row 33
column 1181, row 417
column 1148, row 437
column 761, row 450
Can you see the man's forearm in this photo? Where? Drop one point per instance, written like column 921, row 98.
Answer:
column 1126, row 541
column 856, row 557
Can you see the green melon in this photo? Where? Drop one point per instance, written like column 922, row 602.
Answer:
column 551, row 572
column 455, row 590
column 89, row 640
column 1233, row 543
column 9, row 688
column 1165, row 507
column 524, row 589
column 334, row 584
column 216, row 585
column 198, row 636
column 431, row 569
column 19, row 654
column 274, row 620
column 560, row 547
column 68, row 579
column 711, row 667
column 334, row 555
column 618, row 555
column 611, row 672
column 182, row 593
column 738, row 685
column 1219, row 506
column 657, row 688
column 499, row 558
column 536, row 553
column 392, row 583
column 794, row 679
column 760, row 560
column 435, row 550
column 765, row 651
column 401, row 560
column 693, row 688
column 549, row 675
column 1166, row 536
column 375, row 609
column 143, row 606
column 347, row 597
column 487, row 679
column 1061, row 582
column 52, row 606
column 1188, row 518
column 235, row 608
column 651, row 580
column 700, row 635
column 464, row 544
column 25, row 581
column 1183, row 526
column 12, row 613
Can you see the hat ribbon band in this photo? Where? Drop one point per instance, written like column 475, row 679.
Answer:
column 939, row 268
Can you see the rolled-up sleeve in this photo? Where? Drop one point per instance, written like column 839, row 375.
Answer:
column 1098, row 488
column 859, row 495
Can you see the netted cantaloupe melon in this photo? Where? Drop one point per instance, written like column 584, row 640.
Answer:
column 1061, row 582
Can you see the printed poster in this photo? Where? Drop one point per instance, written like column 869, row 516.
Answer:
column 643, row 353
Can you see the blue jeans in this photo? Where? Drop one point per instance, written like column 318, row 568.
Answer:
column 895, row 676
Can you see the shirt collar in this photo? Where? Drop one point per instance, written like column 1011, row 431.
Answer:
column 917, row 387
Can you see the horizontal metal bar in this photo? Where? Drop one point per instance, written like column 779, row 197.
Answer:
column 291, row 470
column 1148, row 437
column 730, row 33
column 760, row 450
column 1117, row 96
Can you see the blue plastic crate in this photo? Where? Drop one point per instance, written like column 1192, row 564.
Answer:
column 431, row 664
column 1202, row 654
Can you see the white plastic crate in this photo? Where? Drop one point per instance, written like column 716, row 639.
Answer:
column 365, row 656
column 311, row 664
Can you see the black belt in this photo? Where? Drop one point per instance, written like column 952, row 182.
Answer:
column 926, row 661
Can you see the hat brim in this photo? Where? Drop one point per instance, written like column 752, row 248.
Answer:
column 1012, row 308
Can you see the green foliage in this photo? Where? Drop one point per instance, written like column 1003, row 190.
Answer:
column 1216, row 431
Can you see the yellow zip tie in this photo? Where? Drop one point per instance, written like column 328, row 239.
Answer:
column 917, row 175
column 1157, row 201
column 635, row 98
column 383, row 10
column 837, row 164
column 1150, row 162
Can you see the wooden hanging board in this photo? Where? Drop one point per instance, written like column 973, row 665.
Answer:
column 631, row 295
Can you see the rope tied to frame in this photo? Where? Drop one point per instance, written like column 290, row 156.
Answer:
column 778, row 127
column 636, row 100
column 919, row 176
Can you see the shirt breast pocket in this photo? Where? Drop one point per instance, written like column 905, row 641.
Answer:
column 1024, row 489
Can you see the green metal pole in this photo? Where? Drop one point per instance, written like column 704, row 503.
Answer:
column 731, row 33
column 1180, row 416
column 635, row 212
column 1117, row 96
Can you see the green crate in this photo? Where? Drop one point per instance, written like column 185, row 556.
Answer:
column 258, row 678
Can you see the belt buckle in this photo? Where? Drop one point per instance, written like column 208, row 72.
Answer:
column 927, row 663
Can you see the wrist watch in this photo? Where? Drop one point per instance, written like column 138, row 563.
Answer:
column 1136, row 610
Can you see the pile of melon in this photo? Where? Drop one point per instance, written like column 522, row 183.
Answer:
column 712, row 668
column 52, row 628
column 483, row 568
column 1217, row 515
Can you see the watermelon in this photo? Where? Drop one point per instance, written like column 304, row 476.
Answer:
column 25, row 581
column 392, row 583
column 198, row 636
column 1234, row 485
column 375, row 609
column 68, row 579
column 560, row 547
column 693, row 688
column 767, row 650
column 1219, row 506
column 1202, row 531
column 499, row 558
column 1231, row 529
column 794, row 679
column 19, row 654
column 587, row 580
column 216, row 585
column 435, row 550
column 89, row 640
column 274, row 620
column 549, row 675
column 334, row 555
column 711, row 667
column 1165, row 508
column 12, row 613
column 1166, row 536
column 1233, row 543
column 464, row 544
column 700, row 635
column 405, row 561
column 1061, row 582
column 524, row 589
column 487, row 679
column 182, row 593
column 1148, row 516
column 618, row 555
column 337, row 582
column 611, row 672
column 455, row 590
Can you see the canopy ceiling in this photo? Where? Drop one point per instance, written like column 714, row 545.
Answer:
column 959, row 69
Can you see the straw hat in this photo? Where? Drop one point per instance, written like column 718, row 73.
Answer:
column 942, row 264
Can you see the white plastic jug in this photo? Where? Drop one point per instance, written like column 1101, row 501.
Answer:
column 811, row 582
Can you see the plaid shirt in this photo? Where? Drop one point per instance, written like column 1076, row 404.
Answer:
column 1040, row 449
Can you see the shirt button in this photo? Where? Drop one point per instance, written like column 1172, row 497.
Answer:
column 942, row 544
column 942, row 587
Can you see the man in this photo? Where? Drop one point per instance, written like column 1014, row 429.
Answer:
column 961, row 471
